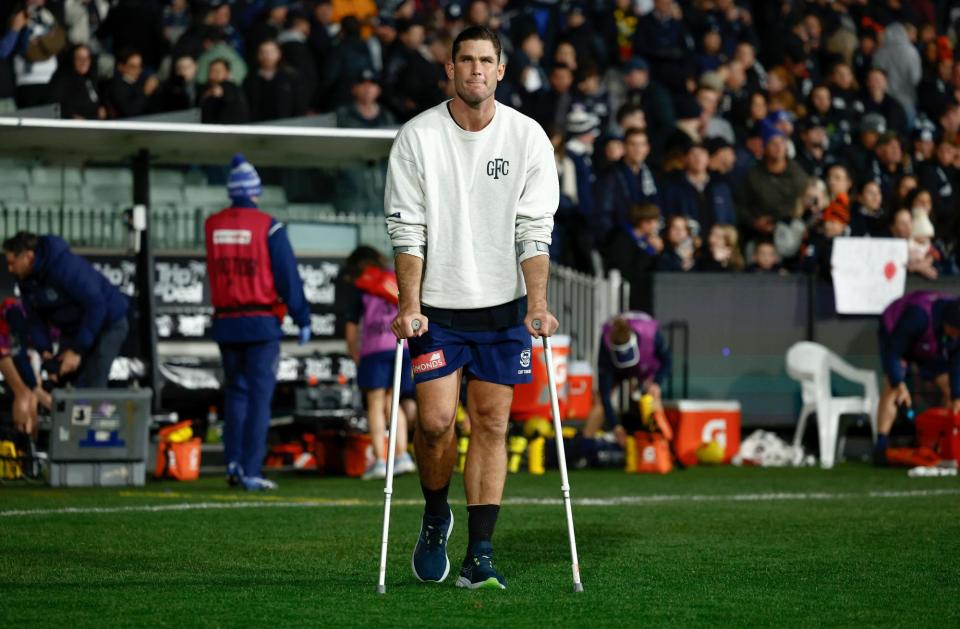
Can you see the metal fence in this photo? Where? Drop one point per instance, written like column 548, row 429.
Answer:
column 582, row 303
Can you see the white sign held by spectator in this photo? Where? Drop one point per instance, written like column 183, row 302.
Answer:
column 868, row 273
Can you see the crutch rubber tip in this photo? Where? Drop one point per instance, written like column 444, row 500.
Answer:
column 382, row 589
column 578, row 587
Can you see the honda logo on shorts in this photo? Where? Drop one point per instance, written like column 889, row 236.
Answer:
column 429, row 362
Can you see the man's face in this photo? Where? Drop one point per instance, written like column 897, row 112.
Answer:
column 217, row 73
column 132, row 68
column 366, row 92
column 724, row 159
column 890, row 152
column 476, row 71
column 413, row 37
column 946, row 153
column 697, row 160
column 187, row 69
column 637, row 148
column 876, row 84
column 561, row 80
column 268, row 56
column 81, row 60
column 21, row 265
column 776, row 148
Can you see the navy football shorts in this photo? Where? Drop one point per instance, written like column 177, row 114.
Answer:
column 501, row 356
column 375, row 371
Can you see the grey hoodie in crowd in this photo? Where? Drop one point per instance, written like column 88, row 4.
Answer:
column 900, row 60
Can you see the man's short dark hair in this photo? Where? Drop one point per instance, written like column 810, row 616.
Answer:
column 476, row 33
column 225, row 62
column 632, row 131
column 20, row 242
column 125, row 55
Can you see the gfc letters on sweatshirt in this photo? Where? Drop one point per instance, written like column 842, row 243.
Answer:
column 469, row 197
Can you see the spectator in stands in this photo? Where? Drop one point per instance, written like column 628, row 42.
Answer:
column 722, row 253
column 655, row 101
column 180, row 90
column 214, row 46
column 859, row 153
column 708, row 97
column 694, row 194
column 550, row 105
column 267, row 27
column 868, row 219
column 941, row 177
column 273, row 91
column 40, row 40
column 617, row 28
column 136, row 24
column 710, row 56
column 887, row 165
column 772, row 186
column 411, row 78
column 876, row 99
column 176, row 19
column 526, row 71
column 323, row 32
column 61, row 290
column 591, row 94
column 253, row 283
column 221, row 100
column 582, row 131
column 634, row 245
column 11, row 27
column 812, row 153
column 723, row 163
column 765, row 259
column 922, row 142
column 75, row 89
column 834, row 222
column 679, row 247
column 901, row 226
column 628, row 183
column 126, row 94
column 937, row 91
column 346, row 60
column 900, row 62
column 662, row 39
column 921, row 327
column 296, row 54
column 838, row 181
column 360, row 188
column 82, row 18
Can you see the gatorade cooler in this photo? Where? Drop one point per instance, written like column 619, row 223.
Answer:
column 533, row 400
column 579, row 390
column 696, row 422
column 939, row 430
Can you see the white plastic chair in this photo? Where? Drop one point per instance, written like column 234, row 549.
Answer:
column 811, row 364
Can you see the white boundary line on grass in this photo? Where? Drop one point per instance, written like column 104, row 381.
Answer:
column 581, row 502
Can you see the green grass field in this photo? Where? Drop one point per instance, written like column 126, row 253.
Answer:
column 854, row 546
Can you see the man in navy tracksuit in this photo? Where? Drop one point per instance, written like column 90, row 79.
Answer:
column 253, row 283
column 61, row 290
column 921, row 327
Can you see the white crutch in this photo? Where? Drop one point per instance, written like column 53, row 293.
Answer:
column 388, row 490
column 561, row 457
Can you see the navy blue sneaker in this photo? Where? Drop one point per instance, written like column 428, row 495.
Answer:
column 430, row 561
column 478, row 571
column 234, row 474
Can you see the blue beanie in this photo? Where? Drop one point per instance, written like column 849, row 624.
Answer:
column 768, row 131
column 243, row 182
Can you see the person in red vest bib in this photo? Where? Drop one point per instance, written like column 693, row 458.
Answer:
column 922, row 327
column 254, row 283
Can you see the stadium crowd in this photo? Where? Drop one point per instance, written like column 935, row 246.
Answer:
column 710, row 135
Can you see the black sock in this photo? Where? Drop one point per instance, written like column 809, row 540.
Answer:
column 481, row 520
column 436, row 500
column 882, row 441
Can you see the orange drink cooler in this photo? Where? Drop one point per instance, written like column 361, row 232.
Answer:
column 579, row 389
column 533, row 400
column 696, row 422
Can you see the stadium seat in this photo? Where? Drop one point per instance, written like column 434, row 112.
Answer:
column 53, row 194
column 812, row 364
column 54, row 176
column 117, row 194
column 12, row 193
column 204, row 196
column 108, row 177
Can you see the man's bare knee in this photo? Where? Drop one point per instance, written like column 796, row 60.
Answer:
column 434, row 426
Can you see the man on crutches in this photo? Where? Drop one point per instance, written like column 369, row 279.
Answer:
column 471, row 192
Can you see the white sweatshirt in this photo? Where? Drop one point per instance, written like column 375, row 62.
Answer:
column 469, row 197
